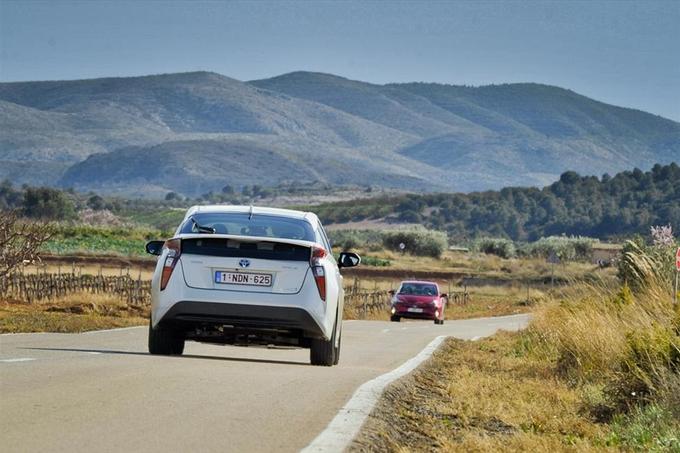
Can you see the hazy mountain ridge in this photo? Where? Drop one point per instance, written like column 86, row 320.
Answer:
column 208, row 130
column 530, row 123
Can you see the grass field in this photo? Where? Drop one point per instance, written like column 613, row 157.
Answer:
column 125, row 241
column 161, row 219
column 597, row 370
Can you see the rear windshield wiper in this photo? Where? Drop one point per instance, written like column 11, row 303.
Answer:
column 200, row 228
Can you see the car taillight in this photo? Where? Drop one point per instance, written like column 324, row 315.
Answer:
column 174, row 247
column 318, row 270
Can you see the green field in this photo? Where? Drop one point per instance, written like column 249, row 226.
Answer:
column 70, row 240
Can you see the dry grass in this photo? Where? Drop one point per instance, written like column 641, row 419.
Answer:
column 485, row 301
column 480, row 397
column 91, row 269
column 597, row 369
column 78, row 312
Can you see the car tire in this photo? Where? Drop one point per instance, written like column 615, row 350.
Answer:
column 395, row 318
column 165, row 341
column 322, row 352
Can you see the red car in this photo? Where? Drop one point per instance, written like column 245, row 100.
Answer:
column 418, row 300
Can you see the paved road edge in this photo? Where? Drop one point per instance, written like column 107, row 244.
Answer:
column 346, row 424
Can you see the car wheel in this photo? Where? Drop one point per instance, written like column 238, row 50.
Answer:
column 394, row 318
column 165, row 341
column 322, row 352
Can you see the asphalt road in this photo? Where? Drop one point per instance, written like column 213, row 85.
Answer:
column 102, row 391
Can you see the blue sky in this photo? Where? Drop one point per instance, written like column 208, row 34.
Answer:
column 621, row 52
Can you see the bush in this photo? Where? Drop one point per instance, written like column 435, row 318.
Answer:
column 565, row 248
column 373, row 261
column 419, row 242
column 46, row 203
column 502, row 247
column 642, row 265
column 627, row 343
column 20, row 240
column 650, row 428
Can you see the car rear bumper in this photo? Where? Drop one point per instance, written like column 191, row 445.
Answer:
column 192, row 313
column 303, row 312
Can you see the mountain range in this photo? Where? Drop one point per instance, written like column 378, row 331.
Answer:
column 196, row 132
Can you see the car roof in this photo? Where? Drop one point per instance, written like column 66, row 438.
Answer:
column 422, row 282
column 221, row 208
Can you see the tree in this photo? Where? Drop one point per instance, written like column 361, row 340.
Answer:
column 20, row 240
column 228, row 189
column 96, row 203
column 46, row 203
column 9, row 197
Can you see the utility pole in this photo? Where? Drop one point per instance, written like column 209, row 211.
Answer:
column 553, row 259
column 677, row 273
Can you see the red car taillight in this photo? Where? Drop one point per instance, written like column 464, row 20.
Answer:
column 318, row 271
column 174, row 247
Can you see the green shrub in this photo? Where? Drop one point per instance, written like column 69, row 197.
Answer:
column 47, row 203
column 647, row 428
column 502, row 247
column 419, row 242
column 624, row 296
column 565, row 248
column 373, row 261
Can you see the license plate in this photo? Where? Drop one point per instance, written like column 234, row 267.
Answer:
column 243, row 278
column 415, row 310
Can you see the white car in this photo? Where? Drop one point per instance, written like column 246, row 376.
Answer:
column 245, row 275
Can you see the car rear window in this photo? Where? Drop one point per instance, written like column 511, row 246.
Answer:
column 418, row 289
column 243, row 224
column 224, row 247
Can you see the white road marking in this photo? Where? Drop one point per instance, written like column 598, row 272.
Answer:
column 24, row 333
column 20, row 359
column 113, row 330
column 385, row 330
column 347, row 423
column 74, row 333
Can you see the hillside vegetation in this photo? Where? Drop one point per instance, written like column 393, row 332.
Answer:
column 197, row 132
column 596, row 370
column 611, row 206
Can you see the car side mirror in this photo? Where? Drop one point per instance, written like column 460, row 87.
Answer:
column 444, row 295
column 155, row 247
column 391, row 292
column 348, row 259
